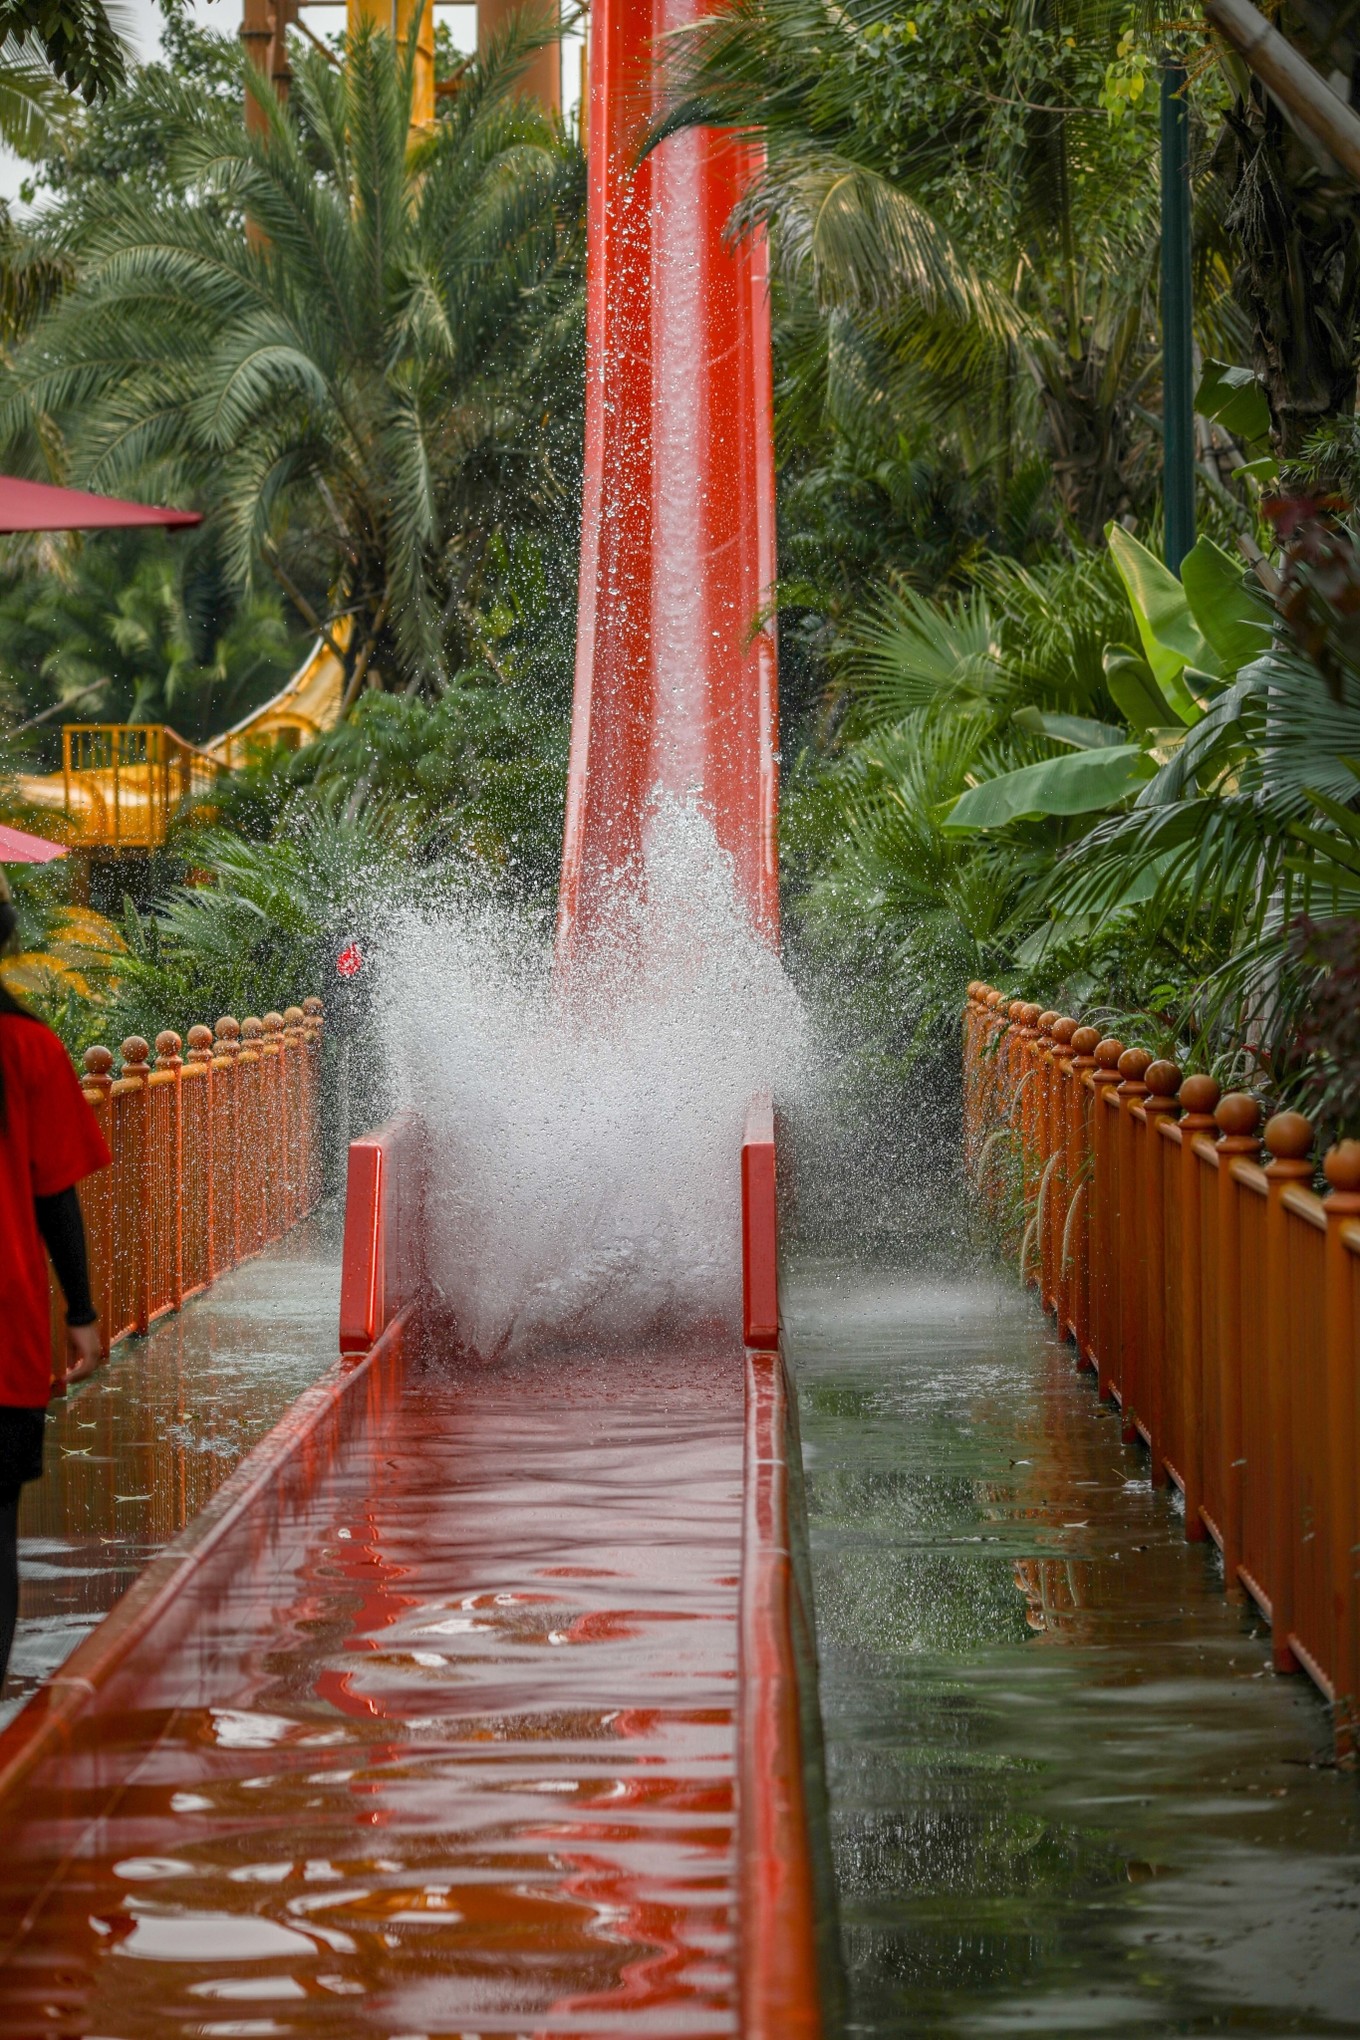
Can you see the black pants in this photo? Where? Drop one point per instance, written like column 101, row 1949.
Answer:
column 9, row 1579
column 21, row 1443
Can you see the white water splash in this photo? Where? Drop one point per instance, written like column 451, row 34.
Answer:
column 586, row 1183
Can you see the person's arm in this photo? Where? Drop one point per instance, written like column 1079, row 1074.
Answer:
column 63, row 1231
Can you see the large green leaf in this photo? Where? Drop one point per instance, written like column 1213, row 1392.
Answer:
column 1234, row 399
column 1134, row 691
column 1082, row 732
column 1079, row 784
column 1237, row 627
column 1171, row 638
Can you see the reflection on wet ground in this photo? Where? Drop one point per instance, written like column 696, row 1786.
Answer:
column 133, row 1454
column 449, row 1749
column 1067, row 1794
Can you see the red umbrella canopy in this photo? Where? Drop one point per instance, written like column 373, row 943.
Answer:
column 18, row 847
column 38, row 506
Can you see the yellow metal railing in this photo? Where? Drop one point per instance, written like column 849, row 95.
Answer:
column 122, row 783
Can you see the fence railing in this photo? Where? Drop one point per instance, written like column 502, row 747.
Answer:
column 214, row 1155
column 1214, row 1293
column 123, row 783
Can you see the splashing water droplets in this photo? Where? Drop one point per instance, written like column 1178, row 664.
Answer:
column 587, row 1188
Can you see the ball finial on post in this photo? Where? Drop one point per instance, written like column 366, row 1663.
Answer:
column 1199, row 1097
column 98, row 1062
column 136, row 1053
column 1341, row 1167
column 1238, row 1115
column 1289, row 1136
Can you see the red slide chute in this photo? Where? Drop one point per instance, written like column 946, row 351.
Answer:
column 675, row 658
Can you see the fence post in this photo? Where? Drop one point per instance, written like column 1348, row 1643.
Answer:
column 1030, row 1122
column 1105, row 1214
column 1052, row 1047
column 295, row 1079
column 314, row 1012
column 1045, row 1085
column 275, row 1116
column 168, row 1057
column 137, row 1069
column 200, row 1040
column 98, row 1077
column 1129, row 1236
column 971, row 1019
column 1289, row 1138
column 1163, row 1081
column 1065, row 1105
column 1342, row 1169
column 252, row 1147
column 228, row 1036
column 1199, row 1096
column 1239, row 1116
column 991, row 1098
column 1080, row 1159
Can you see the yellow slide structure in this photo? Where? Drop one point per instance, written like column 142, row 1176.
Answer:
column 121, row 784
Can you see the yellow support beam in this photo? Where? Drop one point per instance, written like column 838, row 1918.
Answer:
column 395, row 17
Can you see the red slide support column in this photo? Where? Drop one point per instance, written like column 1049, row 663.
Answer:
column 675, row 662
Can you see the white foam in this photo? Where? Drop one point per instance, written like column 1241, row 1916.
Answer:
column 587, row 1138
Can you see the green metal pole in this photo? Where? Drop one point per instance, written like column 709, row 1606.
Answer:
column 1178, row 422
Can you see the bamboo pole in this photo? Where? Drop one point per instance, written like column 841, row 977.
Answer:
column 1291, row 78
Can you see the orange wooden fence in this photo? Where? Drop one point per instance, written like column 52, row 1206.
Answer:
column 1215, row 1295
column 213, row 1156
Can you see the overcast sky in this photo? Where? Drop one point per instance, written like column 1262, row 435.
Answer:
column 144, row 18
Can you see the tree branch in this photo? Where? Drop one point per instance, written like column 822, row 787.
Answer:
column 290, row 588
column 57, row 707
column 356, row 678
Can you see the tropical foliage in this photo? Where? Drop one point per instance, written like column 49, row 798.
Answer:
column 1026, row 749
column 363, row 353
column 134, row 627
column 1016, row 743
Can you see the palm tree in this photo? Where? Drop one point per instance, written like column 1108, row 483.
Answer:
column 961, row 200
column 988, row 235
column 364, row 351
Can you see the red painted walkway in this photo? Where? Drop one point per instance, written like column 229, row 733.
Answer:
column 449, row 1749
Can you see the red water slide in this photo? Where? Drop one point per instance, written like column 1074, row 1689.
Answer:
column 675, row 656
column 469, row 1705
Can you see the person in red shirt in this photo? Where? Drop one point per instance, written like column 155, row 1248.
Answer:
column 49, row 1140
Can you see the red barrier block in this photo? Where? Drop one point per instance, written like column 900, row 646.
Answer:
column 759, row 1228
column 780, row 1998
column 361, row 1299
column 383, row 1262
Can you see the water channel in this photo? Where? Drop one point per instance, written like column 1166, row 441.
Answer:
column 1067, row 1794
column 133, row 1454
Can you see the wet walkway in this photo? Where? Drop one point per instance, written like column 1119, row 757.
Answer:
column 1068, row 1796
column 133, row 1454
column 449, row 1748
